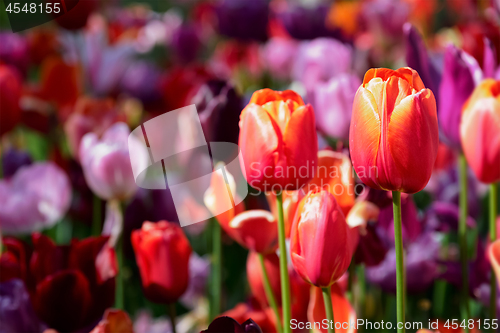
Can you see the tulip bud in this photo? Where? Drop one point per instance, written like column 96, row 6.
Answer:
column 320, row 239
column 394, row 131
column 480, row 131
column 162, row 252
column 278, row 141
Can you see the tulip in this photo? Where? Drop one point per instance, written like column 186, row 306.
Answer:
column 306, row 22
column 16, row 310
column 89, row 115
column 480, row 131
column 142, row 80
column 14, row 50
column 69, row 289
column 59, row 82
column 334, row 174
column 316, row 258
column 106, row 163
column 186, row 43
column 76, row 14
column 460, row 71
column 245, row 20
column 332, row 103
column 418, row 58
column 10, row 93
column 320, row 60
column 394, row 131
column 278, row 141
column 162, row 252
column 278, row 55
column 36, row 197
column 344, row 312
column 219, row 107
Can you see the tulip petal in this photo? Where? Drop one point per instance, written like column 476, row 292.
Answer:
column 364, row 136
column 494, row 256
column 301, row 150
column 255, row 230
column 416, row 151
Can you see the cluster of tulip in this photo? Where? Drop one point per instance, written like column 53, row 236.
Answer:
column 366, row 197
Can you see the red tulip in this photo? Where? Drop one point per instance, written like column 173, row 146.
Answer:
column 68, row 287
column 256, row 279
column 394, row 132
column 344, row 314
column 59, row 83
column 162, row 252
column 10, row 93
column 321, row 246
column 278, row 141
column 480, row 131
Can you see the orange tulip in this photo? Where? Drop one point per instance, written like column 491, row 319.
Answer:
column 321, row 246
column 334, row 174
column 480, row 131
column 394, row 132
column 278, row 141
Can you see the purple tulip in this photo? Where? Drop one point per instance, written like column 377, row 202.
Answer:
column 219, row 107
column 420, row 262
column 35, row 198
column 332, row 102
column 106, row 163
column 460, row 75
column 141, row 80
column 14, row 50
column 16, row 312
column 278, row 56
column 306, row 22
column 245, row 20
column 320, row 60
column 385, row 16
column 489, row 59
column 186, row 43
column 12, row 160
column 418, row 59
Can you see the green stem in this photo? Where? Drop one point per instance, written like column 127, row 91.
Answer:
column 362, row 289
column 216, row 269
column 270, row 294
column 327, row 299
column 96, row 216
column 462, row 236
column 493, row 237
column 400, row 266
column 171, row 314
column 119, row 301
column 285, row 283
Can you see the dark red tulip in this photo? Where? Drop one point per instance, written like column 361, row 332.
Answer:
column 162, row 252
column 69, row 287
column 229, row 325
column 10, row 93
